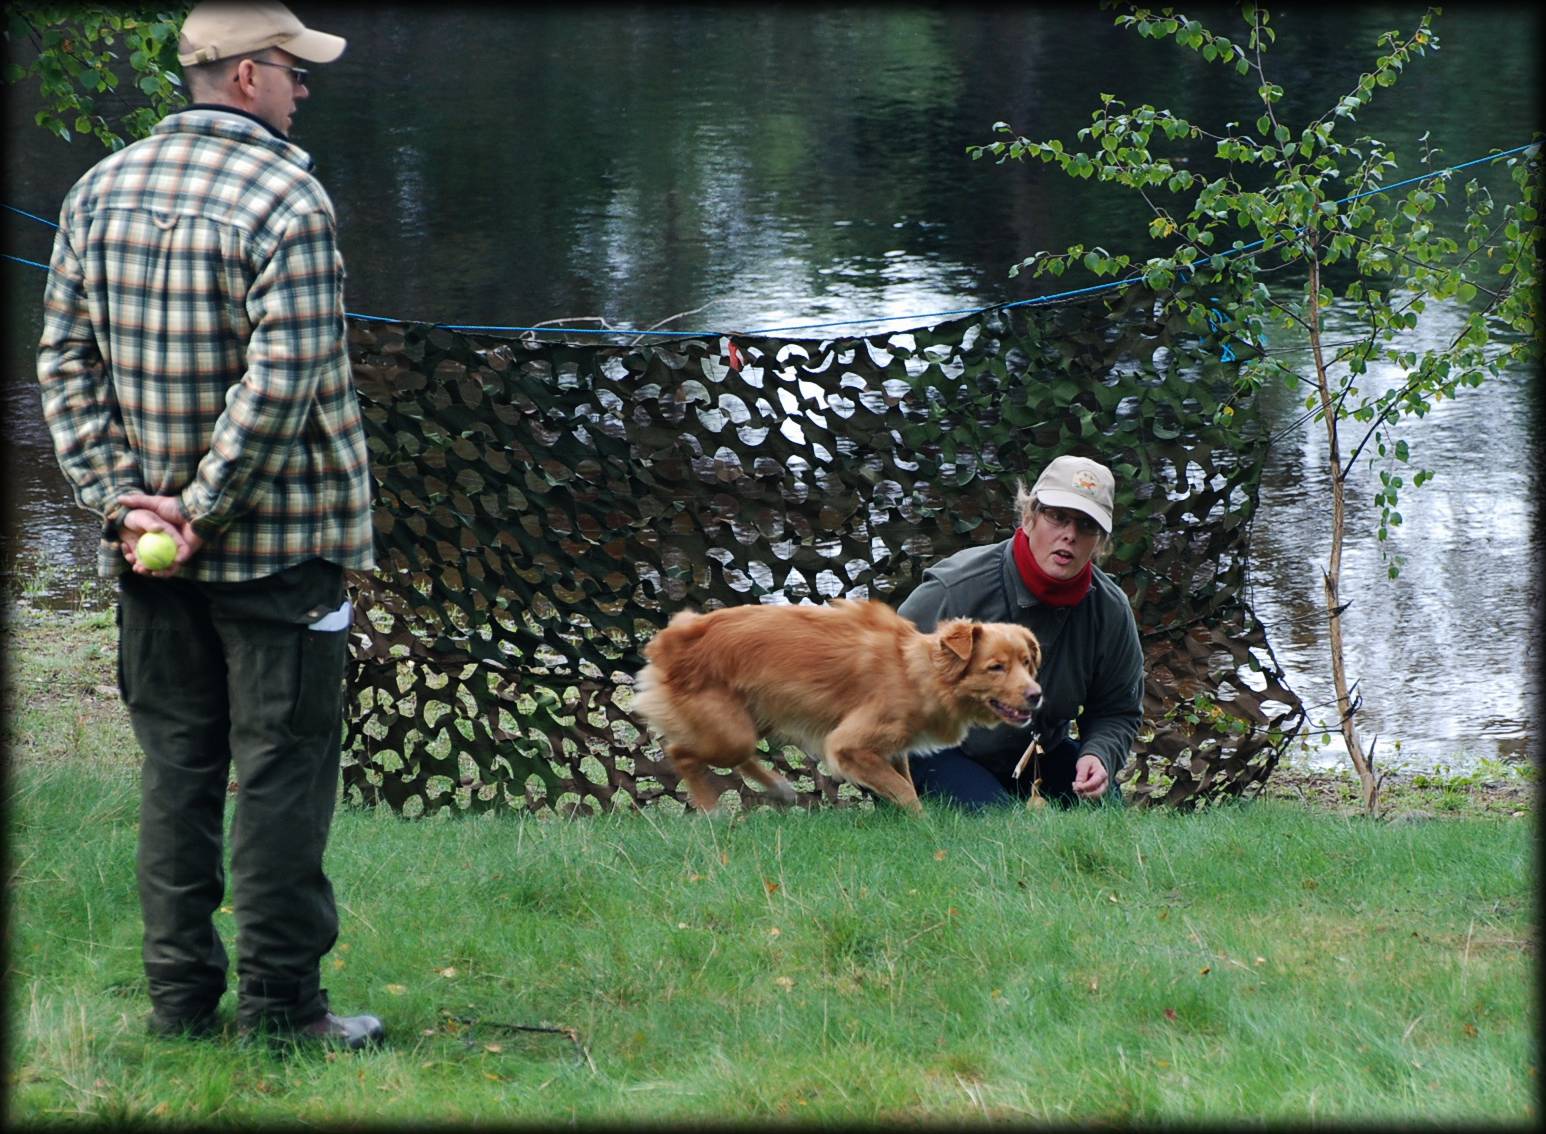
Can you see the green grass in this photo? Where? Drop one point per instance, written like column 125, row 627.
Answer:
column 1266, row 962
column 1253, row 962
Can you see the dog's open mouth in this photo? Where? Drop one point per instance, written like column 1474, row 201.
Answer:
column 1010, row 713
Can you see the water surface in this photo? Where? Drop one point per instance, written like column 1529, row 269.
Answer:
column 760, row 167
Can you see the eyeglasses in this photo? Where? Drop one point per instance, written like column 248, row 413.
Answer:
column 1060, row 518
column 298, row 75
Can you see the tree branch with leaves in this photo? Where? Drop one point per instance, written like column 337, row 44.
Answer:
column 103, row 71
column 1289, row 222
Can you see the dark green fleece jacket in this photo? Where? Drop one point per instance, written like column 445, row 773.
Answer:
column 1091, row 662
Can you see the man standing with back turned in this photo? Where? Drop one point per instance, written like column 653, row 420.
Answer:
column 195, row 377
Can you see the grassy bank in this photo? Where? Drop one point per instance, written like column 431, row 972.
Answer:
column 1273, row 961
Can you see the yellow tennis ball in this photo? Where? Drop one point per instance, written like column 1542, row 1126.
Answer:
column 156, row 550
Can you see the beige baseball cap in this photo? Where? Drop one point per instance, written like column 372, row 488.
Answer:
column 219, row 29
column 1078, row 483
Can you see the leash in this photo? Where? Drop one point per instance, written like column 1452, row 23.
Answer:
column 1032, row 753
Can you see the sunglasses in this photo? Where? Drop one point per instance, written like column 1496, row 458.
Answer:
column 1061, row 518
column 298, row 75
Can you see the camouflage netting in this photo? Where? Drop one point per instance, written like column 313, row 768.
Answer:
column 544, row 507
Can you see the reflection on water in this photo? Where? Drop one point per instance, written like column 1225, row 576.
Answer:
column 1443, row 654
column 760, row 168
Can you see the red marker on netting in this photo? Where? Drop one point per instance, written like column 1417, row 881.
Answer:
column 735, row 356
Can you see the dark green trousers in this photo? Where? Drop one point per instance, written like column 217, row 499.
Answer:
column 221, row 678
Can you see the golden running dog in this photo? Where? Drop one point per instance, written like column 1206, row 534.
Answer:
column 852, row 681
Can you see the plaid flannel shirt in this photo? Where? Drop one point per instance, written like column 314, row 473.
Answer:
column 194, row 345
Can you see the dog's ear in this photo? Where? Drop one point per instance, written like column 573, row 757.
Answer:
column 1035, row 646
column 959, row 636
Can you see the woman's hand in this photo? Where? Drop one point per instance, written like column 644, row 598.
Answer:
column 1090, row 778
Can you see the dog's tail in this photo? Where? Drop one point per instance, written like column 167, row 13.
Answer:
column 664, row 656
column 680, row 634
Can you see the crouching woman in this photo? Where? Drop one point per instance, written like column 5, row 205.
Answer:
column 1044, row 577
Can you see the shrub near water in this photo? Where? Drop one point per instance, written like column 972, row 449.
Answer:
column 1252, row 961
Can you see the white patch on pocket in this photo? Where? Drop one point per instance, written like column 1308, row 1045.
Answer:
column 338, row 620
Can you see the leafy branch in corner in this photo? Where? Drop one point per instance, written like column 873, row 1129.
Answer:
column 104, row 71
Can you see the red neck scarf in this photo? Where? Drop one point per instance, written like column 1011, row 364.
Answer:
column 1053, row 592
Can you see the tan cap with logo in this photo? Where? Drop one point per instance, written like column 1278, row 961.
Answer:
column 219, row 29
column 1079, row 483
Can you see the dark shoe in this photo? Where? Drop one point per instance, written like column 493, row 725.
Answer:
column 349, row 1033
column 199, row 1026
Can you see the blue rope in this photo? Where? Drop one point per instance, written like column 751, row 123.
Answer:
column 1034, row 301
column 567, row 330
column 1072, row 294
column 1215, row 324
column 1440, row 173
column 886, row 319
column 29, row 216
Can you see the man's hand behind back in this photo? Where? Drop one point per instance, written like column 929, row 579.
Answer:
column 157, row 514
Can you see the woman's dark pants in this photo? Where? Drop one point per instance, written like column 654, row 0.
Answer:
column 952, row 777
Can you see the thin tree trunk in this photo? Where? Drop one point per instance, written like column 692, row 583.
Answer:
column 1332, row 575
